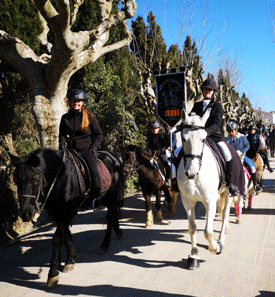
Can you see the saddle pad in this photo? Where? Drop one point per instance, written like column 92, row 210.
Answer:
column 238, row 173
column 105, row 176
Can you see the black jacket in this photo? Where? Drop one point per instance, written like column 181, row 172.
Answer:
column 70, row 132
column 213, row 123
column 255, row 145
column 157, row 143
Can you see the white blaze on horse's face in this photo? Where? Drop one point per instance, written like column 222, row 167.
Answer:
column 193, row 136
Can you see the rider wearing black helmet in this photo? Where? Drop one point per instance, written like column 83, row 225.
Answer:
column 240, row 143
column 157, row 144
column 255, row 146
column 212, row 126
column 79, row 130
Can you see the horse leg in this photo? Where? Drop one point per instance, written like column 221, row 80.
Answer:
column 225, row 218
column 193, row 259
column 149, row 212
column 53, row 276
column 71, row 251
column 171, row 198
column 158, row 206
column 214, row 246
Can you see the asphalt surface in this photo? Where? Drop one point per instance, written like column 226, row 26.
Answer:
column 151, row 262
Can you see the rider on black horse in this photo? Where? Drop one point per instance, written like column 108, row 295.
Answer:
column 79, row 130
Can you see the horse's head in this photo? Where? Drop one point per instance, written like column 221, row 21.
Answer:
column 193, row 137
column 29, row 180
column 129, row 158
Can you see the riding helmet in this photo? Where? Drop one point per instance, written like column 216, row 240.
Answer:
column 209, row 84
column 77, row 94
column 252, row 127
column 231, row 126
column 154, row 125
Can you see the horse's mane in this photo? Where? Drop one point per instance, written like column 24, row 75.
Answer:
column 145, row 152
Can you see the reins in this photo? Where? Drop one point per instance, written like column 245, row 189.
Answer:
column 36, row 197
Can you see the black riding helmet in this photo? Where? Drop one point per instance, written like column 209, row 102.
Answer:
column 154, row 124
column 252, row 127
column 231, row 126
column 77, row 94
column 209, row 84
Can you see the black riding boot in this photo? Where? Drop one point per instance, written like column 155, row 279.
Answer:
column 97, row 190
column 229, row 178
column 257, row 187
column 266, row 161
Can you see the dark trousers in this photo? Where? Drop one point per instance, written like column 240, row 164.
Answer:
column 92, row 164
column 165, row 163
column 264, row 157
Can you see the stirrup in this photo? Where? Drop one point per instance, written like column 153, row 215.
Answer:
column 94, row 201
column 258, row 188
column 233, row 190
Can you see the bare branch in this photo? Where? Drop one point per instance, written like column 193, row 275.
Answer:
column 16, row 53
column 43, row 37
column 77, row 4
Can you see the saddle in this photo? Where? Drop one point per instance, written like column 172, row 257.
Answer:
column 238, row 176
column 83, row 174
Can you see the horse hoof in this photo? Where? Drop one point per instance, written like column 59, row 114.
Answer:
column 52, row 282
column 68, row 267
column 119, row 235
column 193, row 263
column 102, row 250
column 220, row 247
column 149, row 224
column 238, row 220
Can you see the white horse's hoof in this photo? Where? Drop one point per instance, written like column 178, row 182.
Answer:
column 193, row 263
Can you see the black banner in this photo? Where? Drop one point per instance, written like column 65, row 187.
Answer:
column 171, row 96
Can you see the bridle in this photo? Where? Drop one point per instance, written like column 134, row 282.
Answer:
column 133, row 166
column 40, row 189
column 194, row 156
column 39, row 192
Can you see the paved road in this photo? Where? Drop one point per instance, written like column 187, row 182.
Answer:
column 151, row 262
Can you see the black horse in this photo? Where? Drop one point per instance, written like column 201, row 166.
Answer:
column 139, row 160
column 49, row 178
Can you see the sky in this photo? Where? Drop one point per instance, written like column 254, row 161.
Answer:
column 238, row 31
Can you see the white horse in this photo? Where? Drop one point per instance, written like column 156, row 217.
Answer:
column 199, row 179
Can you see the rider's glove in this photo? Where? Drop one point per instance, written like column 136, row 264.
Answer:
column 94, row 152
column 63, row 146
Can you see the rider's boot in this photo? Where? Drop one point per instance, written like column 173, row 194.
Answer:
column 257, row 187
column 97, row 190
column 229, row 178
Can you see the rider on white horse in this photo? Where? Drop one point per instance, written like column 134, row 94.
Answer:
column 212, row 127
column 240, row 143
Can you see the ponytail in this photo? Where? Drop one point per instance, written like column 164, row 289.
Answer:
column 85, row 119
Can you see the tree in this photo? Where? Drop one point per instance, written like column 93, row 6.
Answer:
column 48, row 74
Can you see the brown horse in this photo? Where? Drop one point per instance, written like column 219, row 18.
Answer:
column 150, row 180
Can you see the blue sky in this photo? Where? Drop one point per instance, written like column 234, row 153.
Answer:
column 235, row 30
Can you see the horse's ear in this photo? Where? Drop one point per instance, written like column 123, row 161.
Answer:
column 14, row 159
column 34, row 160
column 183, row 115
column 205, row 117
